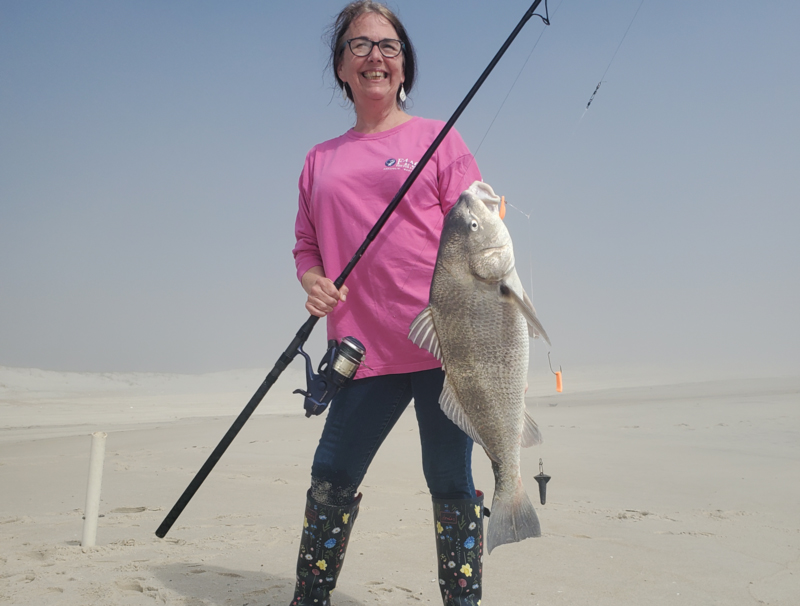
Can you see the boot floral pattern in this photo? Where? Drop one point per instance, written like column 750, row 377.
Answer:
column 459, row 548
column 326, row 530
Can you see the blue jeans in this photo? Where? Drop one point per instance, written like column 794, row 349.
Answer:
column 362, row 415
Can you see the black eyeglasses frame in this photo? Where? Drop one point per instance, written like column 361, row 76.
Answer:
column 373, row 44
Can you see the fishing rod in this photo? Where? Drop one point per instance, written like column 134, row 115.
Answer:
column 302, row 335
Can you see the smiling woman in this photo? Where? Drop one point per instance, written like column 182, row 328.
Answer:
column 360, row 27
column 373, row 80
column 345, row 186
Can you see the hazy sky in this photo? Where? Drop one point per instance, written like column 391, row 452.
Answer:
column 149, row 156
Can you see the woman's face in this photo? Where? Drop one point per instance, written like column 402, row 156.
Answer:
column 373, row 77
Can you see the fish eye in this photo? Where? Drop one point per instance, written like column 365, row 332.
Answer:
column 473, row 225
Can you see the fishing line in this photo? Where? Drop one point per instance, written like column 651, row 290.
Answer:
column 558, row 373
column 546, row 20
column 542, row 478
column 602, row 78
column 497, row 114
column 531, row 290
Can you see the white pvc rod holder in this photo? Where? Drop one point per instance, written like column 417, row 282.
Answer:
column 92, row 508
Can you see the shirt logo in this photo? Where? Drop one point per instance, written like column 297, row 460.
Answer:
column 405, row 164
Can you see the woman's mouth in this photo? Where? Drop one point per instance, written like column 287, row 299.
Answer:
column 372, row 75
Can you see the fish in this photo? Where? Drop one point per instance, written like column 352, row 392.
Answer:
column 478, row 324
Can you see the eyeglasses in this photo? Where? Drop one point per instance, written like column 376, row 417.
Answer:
column 362, row 47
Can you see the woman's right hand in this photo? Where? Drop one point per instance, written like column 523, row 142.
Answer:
column 322, row 294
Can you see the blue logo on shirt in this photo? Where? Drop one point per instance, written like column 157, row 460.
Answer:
column 391, row 162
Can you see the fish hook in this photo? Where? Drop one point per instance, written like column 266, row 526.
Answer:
column 559, row 384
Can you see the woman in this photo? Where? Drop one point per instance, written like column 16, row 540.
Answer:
column 345, row 185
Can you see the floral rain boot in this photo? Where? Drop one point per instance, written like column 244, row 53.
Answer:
column 459, row 547
column 326, row 531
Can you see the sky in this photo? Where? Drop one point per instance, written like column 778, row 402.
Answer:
column 150, row 151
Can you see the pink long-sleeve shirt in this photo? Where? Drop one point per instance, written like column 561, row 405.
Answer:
column 345, row 185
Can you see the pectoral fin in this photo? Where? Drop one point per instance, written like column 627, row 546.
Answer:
column 512, row 287
column 423, row 333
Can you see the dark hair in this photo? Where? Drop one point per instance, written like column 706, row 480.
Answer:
column 338, row 30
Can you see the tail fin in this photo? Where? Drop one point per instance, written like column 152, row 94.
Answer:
column 512, row 520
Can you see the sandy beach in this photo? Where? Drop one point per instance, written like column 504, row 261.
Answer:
column 670, row 493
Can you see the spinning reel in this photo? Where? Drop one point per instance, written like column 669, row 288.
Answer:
column 339, row 365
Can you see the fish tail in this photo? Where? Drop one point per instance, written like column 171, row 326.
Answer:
column 513, row 518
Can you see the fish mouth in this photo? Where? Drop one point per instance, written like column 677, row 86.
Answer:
column 494, row 250
column 490, row 264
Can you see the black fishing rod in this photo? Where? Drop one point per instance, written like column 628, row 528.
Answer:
column 305, row 331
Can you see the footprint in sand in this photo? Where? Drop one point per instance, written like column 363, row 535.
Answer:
column 130, row 585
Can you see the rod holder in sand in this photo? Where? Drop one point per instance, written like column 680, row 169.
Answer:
column 92, row 509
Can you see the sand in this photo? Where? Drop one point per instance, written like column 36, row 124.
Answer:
column 670, row 493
